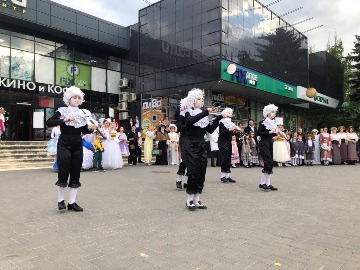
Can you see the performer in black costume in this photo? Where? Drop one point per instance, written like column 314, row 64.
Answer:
column 197, row 124
column 133, row 145
column 226, row 128
column 181, row 127
column 69, row 147
column 267, row 130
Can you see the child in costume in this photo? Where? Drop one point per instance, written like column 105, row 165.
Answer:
column 235, row 159
column 326, row 156
column 294, row 150
column 88, row 154
column 112, row 157
column 309, row 150
column 98, row 151
column 226, row 128
column 51, row 148
column 197, row 124
column 69, row 148
column 301, row 152
column 123, row 142
column 281, row 155
column 267, row 130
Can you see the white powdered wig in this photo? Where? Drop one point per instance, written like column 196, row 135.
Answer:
column 268, row 109
column 228, row 112
column 71, row 92
column 184, row 104
column 193, row 94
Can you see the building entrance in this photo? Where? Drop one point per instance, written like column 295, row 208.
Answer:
column 20, row 122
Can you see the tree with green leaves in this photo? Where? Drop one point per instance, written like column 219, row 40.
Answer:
column 351, row 110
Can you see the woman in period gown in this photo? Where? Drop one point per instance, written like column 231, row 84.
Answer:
column 150, row 135
column 343, row 144
column 173, row 143
column 111, row 158
column 352, row 138
column 161, row 141
column 335, row 149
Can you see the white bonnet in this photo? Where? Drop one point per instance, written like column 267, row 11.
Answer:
column 174, row 126
column 268, row 109
column 71, row 92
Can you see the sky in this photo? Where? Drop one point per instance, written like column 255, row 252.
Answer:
column 338, row 17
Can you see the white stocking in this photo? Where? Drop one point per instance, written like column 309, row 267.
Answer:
column 227, row 175
column 267, row 179
column 60, row 192
column 185, row 180
column 263, row 178
column 178, row 178
column 72, row 195
column 223, row 175
column 196, row 197
column 190, row 198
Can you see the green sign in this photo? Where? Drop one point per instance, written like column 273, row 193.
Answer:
column 69, row 73
column 231, row 72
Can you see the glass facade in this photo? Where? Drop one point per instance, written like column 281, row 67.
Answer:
column 255, row 37
column 179, row 43
column 29, row 62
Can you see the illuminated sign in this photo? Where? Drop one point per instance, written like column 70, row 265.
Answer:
column 15, row 5
column 240, row 75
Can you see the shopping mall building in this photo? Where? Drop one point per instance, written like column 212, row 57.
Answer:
column 239, row 51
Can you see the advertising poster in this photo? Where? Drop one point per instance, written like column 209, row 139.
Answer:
column 69, row 73
column 22, row 65
column 151, row 112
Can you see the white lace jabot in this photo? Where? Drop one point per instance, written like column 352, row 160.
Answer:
column 269, row 123
column 203, row 122
column 227, row 122
column 72, row 111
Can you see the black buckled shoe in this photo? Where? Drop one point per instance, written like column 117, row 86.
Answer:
column 74, row 207
column 61, row 205
column 200, row 205
column 263, row 186
column 191, row 206
column 231, row 180
column 272, row 187
column 178, row 184
column 224, row 180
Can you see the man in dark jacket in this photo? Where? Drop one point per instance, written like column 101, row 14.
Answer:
column 251, row 128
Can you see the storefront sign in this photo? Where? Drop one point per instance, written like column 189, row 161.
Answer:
column 318, row 98
column 243, row 76
column 151, row 112
column 31, row 86
column 68, row 74
column 15, row 5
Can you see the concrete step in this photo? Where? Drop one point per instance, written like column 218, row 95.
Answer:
column 22, row 155
column 17, row 147
column 26, row 143
column 26, row 166
column 22, row 151
column 12, row 160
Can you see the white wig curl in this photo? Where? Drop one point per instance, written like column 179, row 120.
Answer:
column 193, row 94
column 71, row 92
column 184, row 104
column 228, row 112
column 268, row 109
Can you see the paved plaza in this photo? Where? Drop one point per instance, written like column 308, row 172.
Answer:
column 134, row 218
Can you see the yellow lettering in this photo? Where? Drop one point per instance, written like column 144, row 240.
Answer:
column 14, row 7
column 4, row 5
column 24, row 11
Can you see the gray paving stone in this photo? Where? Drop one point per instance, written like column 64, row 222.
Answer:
column 136, row 219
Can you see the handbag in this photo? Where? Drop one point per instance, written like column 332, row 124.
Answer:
column 156, row 152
